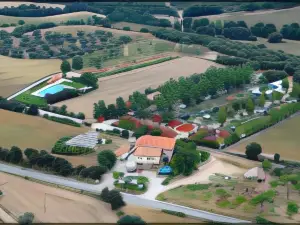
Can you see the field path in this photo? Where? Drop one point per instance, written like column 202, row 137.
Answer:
column 5, row 217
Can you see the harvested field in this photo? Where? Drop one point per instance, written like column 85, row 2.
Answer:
column 282, row 139
column 277, row 17
column 54, row 19
column 29, row 131
column 16, row 4
column 52, row 205
column 124, row 84
column 156, row 216
column 16, row 74
column 288, row 46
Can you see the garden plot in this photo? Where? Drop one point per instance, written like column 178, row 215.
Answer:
column 126, row 83
column 282, row 139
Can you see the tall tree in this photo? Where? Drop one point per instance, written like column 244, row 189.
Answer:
column 285, row 84
column 253, row 150
column 222, row 115
column 100, row 109
column 121, row 106
column 250, row 106
column 127, row 220
column 262, row 100
column 65, row 67
column 77, row 62
column 112, row 112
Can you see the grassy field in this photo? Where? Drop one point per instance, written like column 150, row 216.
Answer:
column 55, row 19
column 51, row 204
column 277, row 17
column 32, row 132
column 282, row 139
column 135, row 26
column 135, row 50
column 15, row 74
column 124, row 84
column 288, row 46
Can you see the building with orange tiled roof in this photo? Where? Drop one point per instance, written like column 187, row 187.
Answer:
column 150, row 149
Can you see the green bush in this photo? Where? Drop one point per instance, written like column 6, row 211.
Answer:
column 120, row 213
column 208, row 143
column 61, row 148
column 63, row 120
column 126, row 124
column 204, row 156
column 108, row 141
column 174, row 213
column 117, row 175
column 222, row 193
column 167, row 180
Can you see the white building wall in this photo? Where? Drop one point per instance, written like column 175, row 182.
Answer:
column 147, row 160
column 168, row 153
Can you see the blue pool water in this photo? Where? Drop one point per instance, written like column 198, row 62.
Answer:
column 52, row 90
column 165, row 170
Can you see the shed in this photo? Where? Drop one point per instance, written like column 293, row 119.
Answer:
column 256, row 173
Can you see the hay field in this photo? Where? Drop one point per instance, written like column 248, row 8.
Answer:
column 54, row 19
column 32, row 132
column 124, row 84
column 15, row 74
column 288, row 46
column 277, row 17
column 282, row 139
column 16, row 4
column 52, row 205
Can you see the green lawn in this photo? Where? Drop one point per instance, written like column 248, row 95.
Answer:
column 73, row 84
column 248, row 125
column 29, row 99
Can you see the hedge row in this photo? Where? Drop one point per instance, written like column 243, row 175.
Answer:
column 62, row 120
column 129, row 68
column 179, row 214
column 61, row 148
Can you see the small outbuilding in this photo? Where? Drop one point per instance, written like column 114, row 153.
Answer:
column 255, row 173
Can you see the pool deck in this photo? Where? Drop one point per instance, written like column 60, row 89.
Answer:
column 37, row 93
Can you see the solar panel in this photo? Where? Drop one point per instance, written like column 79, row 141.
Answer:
column 88, row 140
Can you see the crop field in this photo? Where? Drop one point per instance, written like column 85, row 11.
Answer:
column 126, row 83
column 50, row 204
column 16, row 4
column 32, row 132
column 288, row 46
column 277, row 17
column 282, row 139
column 15, row 74
column 55, row 19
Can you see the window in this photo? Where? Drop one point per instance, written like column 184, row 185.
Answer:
column 148, row 158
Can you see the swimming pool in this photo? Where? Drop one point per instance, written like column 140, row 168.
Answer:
column 51, row 90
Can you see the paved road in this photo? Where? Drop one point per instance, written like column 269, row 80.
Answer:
column 130, row 199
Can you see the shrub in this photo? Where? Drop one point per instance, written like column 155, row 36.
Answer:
column 273, row 75
column 126, row 220
column 26, row 218
column 292, row 208
column 156, row 132
column 117, row 175
column 126, row 124
column 105, row 195
column 125, row 134
column 208, row 143
column 144, row 30
column 116, row 131
column 253, row 150
column 275, row 37
column 33, row 110
column 277, row 172
column 174, row 213
column 108, row 141
column 167, row 180
column 60, row 147
column 222, row 193
column 107, row 158
column 126, row 28
column 116, row 200
column 120, row 213
column 63, row 120
column 277, row 157
column 61, row 96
